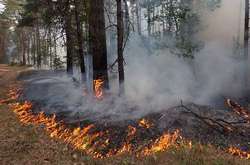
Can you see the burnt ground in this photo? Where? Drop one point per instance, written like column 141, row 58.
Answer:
column 30, row 145
column 205, row 124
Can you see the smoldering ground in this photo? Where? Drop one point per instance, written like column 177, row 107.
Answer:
column 153, row 83
column 155, row 80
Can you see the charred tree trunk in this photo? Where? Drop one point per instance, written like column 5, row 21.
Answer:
column 69, row 39
column 79, row 38
column 120, row 33
column 97, row 41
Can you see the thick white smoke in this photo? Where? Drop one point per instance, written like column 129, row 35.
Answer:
column 163, row 79
column 158, row 79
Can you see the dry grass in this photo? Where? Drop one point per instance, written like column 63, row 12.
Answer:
column 29, row 145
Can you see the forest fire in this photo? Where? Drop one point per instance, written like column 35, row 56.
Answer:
column 89, row 140
column 98, row 88
column 100, row 143
column 82, row 139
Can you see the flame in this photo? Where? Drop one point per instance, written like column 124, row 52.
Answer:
column 131, row 131
column 145, row 123
column 95, row 142
column 98, row 88
column 81, row 139
column 13, row 94
column 238, row 109
column 127, row 147
column 162, row 143
column 237, row 152
column 78, row 137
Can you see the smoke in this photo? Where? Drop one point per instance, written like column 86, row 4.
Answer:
column 161, row 79
column 2, row 7
column 158, row 79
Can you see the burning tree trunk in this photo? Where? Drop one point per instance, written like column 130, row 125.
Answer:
column 120, row 32
column 97, row 42
column 79, row 38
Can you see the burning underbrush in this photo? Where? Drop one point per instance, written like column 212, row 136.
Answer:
column 145, row 136
column 100, row 141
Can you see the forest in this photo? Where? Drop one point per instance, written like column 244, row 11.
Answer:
column 124, row 82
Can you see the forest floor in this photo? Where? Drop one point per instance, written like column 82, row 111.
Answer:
column 30, row 145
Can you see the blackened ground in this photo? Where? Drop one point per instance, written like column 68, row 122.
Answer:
column 57, row 93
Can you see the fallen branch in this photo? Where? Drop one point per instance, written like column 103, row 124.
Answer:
column 238, row 109
column 215, row 124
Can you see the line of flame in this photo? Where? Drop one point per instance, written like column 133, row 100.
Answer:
column 82, row 139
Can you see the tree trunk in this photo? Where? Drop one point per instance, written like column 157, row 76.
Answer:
column 38, row 47
column 34, row 48
column 246, row 41
column 28, row 48
column 120, row 33
column 138, row 16
column 79, row 39
column 2, row 48
column 126, row 17
column 23, row 46
column 149, row 20
column 69, row 40
column 55, row 46
column 97, row 41
column 50, row 48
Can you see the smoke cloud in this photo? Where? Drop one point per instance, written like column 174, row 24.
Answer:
column 158, row 79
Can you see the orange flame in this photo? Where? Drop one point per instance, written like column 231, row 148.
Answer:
column 13, row 94
column 237, row 152
column 98, row 88
column 145, row 123
column 86, row 140
column 163, row 143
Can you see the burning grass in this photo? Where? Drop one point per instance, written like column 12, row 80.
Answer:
column 102, row 143
column 95, row 143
